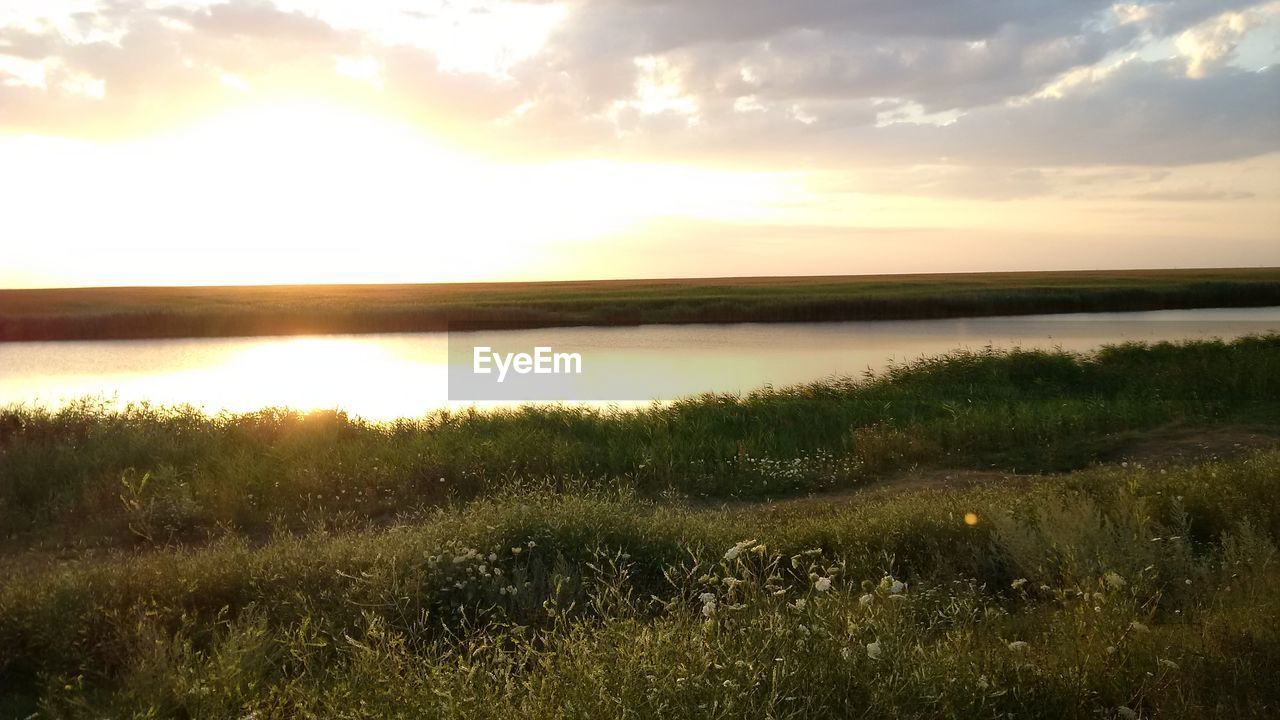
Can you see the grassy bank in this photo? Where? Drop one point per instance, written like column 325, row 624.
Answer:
column 797, row 553
column 87, row 474
column 110, row 313
column 1113, row 592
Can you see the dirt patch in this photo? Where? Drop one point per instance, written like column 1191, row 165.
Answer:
column 1171, row 445
column 1183, row 445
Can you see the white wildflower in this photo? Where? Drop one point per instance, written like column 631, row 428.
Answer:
column 1017, row 584
column 1019, row 646
column 823, row 584
column 867, row 599
column 874, row 650
column 732, row 553
column 898, row 587
column 709, row 608
column 1114, row 580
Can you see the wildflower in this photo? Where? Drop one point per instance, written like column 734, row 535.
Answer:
column 823, row 584
column 1111, row 649
column 1126, row 712
column 1114, row 580
column 759, row 549
column 1019, row 646
column 897, row 588
column 709, row 608
column 511, row 589
column 982, row 683
column 707, row 597
column 1017, row 584
column 516, row 550
column 532, row 544
column 874, row 650
column 1138, row 627
column 845, row 653
column 867, row 599
column 799, row 604
column 736, row 550
column 493, row 557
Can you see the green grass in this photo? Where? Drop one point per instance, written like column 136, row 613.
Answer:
column 88, row 474
column 666, row 562
column 104, row 313
column 1150, row 589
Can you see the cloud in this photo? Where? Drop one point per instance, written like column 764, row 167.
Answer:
column 804, row 83
column 171, row 66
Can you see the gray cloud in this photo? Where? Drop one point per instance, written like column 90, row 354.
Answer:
column 820, row 75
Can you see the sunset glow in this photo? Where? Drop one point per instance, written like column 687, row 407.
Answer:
column 256, row 142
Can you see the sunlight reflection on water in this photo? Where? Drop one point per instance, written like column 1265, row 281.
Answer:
column 405, row 375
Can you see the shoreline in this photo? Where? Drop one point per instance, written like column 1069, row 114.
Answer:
column 264, row 311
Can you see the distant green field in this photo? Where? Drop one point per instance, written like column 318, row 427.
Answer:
column 106, row 313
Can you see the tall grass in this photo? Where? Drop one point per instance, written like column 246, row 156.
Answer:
column 87, row 473
column 1135, row 592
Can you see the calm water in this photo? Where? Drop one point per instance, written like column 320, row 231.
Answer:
column 385, row 376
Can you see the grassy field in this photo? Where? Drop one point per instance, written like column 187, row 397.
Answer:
column 106, row 313
column 999, row 534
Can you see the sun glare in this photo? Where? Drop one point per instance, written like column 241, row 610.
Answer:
column 295, row 192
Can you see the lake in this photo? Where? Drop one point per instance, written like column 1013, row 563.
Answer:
column 397, row 375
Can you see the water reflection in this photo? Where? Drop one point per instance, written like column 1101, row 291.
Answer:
column 388, row 376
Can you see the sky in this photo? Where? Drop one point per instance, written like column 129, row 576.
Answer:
column 177, row 143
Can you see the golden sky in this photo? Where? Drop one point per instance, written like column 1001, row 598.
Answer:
column 323, row 141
